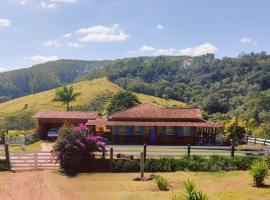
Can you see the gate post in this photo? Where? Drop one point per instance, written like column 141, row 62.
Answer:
column 232, row 151
column 188, row 152
column 142, row 165
column 111, row 159
column 7, row 157
column 35, row 160
column 144, row 151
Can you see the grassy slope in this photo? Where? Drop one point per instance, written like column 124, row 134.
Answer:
column 88, row 90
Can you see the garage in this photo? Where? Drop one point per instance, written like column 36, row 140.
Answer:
column 53, row 120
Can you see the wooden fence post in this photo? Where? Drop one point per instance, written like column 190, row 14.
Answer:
column 247, row 138
column 232, row 151
column 35, row 160
column 144, row 151
column 264, row 141
column 255, row 140
column 188, row 150
column 103, row 154
column 111, row 159
column 142, row 165
column 7, row 157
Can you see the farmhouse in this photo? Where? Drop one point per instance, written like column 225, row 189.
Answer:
column 152, row 124
column 48, row 120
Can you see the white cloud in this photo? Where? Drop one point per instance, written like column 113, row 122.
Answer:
column 247, row 40
column 63, row 1
column 48, row 5
column 51, row 43
column 146, row 48
column 40, row 58
column 103, row 34
column 2, row 69
column 201, row 49
column 74, row 44
column 5, row 22
column 160, row 27
column 67, row 35
column 193, row 51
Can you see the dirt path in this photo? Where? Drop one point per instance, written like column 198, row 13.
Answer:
column 34, row 185
column 46, row 146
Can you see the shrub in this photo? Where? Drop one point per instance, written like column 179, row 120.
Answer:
column 191, row 193
column 259, row 171
column 162, row 183
column 3, row 165
column 76, row 146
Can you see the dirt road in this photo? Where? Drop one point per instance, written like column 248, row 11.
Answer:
column 29, row 185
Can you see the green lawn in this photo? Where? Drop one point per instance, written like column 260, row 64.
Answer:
column 235, row 185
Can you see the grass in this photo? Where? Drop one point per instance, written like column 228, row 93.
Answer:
column 235, row 185
column 88, row 89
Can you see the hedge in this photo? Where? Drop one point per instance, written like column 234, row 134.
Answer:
column 3, row 166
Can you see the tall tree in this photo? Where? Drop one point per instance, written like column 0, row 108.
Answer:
column 66, row 95
column 121, row 101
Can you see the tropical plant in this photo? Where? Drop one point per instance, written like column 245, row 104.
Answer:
column 66, row 95
column 75, row 147
column 162, row 183
column 259, row 171
column 191, row 192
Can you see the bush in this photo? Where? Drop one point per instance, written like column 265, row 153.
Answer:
column 191, row 193
column 3, row 165
column 259, row 171
column 76, row 146
column 162, row 183
column 126, row 165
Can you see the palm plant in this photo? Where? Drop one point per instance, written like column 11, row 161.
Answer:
column 66, row 95
column 191, row 193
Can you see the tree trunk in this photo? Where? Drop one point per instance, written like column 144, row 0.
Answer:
column 67, row 106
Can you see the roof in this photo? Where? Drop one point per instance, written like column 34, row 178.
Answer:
column 65, row 115
column 154, row 111
column 104, row 121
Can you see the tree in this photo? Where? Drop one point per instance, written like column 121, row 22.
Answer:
column 22, row 120
column 234, row 131
column 66, row 95
column 122, row 100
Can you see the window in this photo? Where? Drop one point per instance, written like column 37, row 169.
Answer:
column 186, row 131
column 122, row 130
column 136, row 130
column 169, row 130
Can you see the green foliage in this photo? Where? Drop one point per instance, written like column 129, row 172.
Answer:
column 45, row 76
column 122, row 100
column 3, row 165
column 126, row 165
column 161, row 182
column 191, row 192
column 76, row 146
column 234, row 131
column 66, row 95
column 21, row 120
column 259, row 171
column 99, row 103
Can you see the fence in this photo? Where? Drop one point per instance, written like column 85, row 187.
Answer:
column 21, row 140
column 115, row 151
column 33, row 160
column 258, row 140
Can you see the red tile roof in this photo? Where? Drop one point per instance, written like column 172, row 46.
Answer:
column 104, row 121
column 153, row 111
column 65, row 115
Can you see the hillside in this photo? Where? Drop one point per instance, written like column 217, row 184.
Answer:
column 88, row 89
column 43, row 77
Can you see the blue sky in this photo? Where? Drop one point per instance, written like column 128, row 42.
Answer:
column 36, row 31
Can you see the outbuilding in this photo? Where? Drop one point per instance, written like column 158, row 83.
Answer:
column 47, row 120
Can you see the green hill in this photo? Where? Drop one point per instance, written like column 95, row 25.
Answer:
column 88, row 89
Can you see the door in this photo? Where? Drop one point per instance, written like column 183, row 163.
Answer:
column 153, row 135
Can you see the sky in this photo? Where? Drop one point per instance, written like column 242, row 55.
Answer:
column 36, row 31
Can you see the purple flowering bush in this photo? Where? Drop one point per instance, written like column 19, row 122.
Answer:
column 75, row 147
